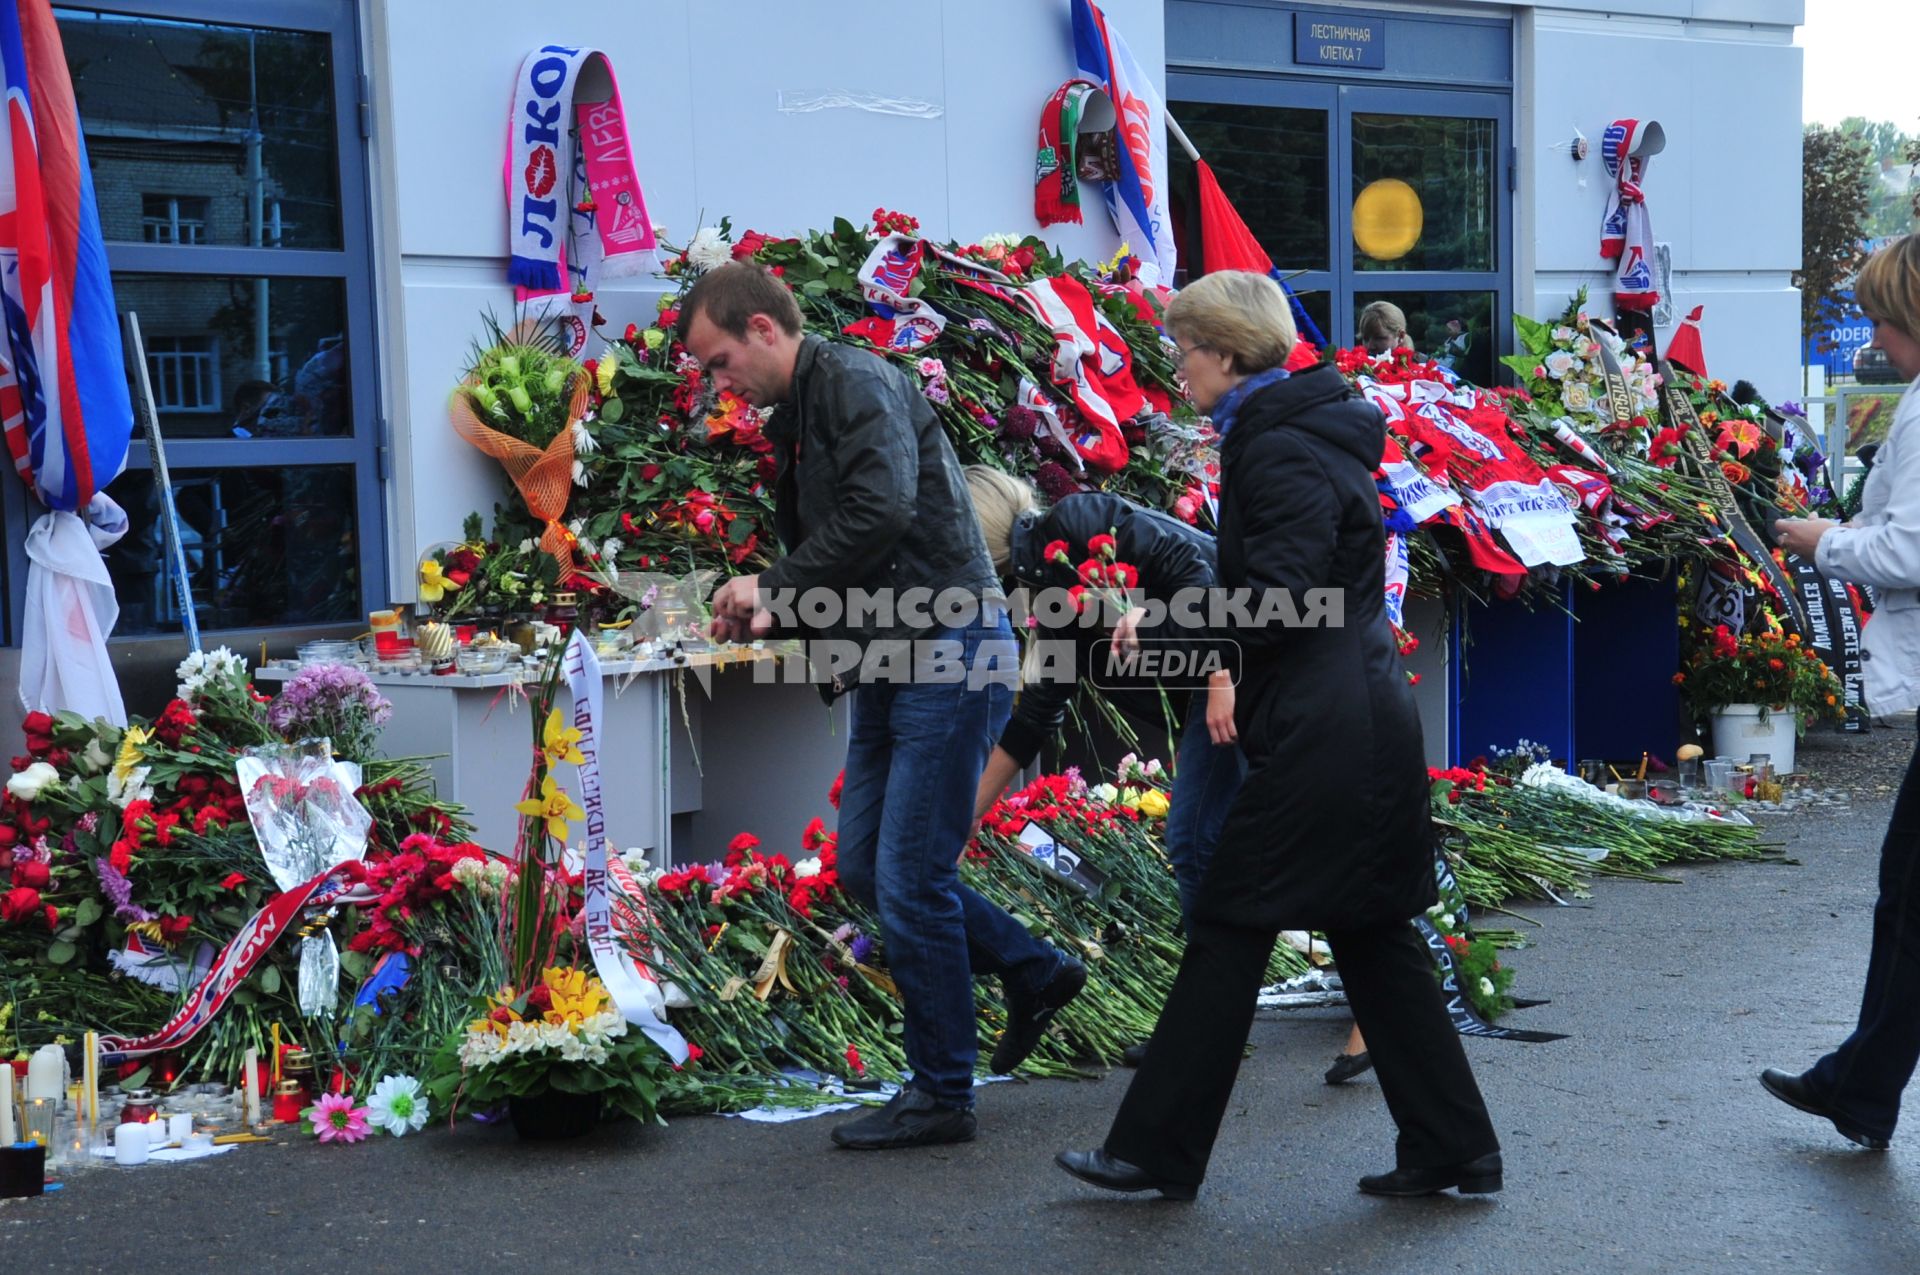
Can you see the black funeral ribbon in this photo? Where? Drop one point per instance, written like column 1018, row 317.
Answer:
column 1466, row 1019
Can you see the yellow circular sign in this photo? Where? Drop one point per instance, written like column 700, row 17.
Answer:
column 1387, row 219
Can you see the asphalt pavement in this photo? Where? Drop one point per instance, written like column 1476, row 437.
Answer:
column 1641, row 1143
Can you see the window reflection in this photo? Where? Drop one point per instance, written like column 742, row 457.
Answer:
column 243, row 357
column 264, row 545
column 1454, row 329
column 205, row 134
column 1431, row 175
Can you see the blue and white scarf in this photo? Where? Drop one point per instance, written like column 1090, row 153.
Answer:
column 1228, row 408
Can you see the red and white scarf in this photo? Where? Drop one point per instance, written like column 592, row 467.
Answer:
column 1627, row 232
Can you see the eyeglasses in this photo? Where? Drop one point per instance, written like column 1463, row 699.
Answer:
column 1192, row 350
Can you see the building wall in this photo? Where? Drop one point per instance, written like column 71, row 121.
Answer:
column 704, row 98
column 1724, row 81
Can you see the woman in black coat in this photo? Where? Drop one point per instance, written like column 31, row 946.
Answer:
column 1331, row 829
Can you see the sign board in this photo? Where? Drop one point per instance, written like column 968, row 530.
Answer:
column 1343, row 40
column 1847, row 332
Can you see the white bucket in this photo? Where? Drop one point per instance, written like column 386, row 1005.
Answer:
column 1739, row 732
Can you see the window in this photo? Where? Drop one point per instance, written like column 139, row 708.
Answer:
column 229, row 173
column 185, row 373
column 173, row 219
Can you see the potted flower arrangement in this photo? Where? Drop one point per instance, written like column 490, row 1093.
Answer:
column 557, row 1052
column 1759, row 690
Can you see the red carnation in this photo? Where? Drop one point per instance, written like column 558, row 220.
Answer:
column 833, row 793
column 1103, row 546
column 35, row 874
column 1056, row 551
column 233, row 881
column 174, row 928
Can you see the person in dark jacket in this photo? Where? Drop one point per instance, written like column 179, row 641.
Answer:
column 1176, row 572
column 868, row 496
column 1331, row 829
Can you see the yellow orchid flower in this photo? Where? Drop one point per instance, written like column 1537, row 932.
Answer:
column 554, row 805
column 560, row 742
column 500, row 1018
column 128, row 757
column 434, row 584
column 575, row 997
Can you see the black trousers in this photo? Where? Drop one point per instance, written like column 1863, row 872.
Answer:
column 1172, row 1112
column 1863, row 1079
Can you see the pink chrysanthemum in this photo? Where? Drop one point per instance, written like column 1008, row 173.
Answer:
column 336, row 1119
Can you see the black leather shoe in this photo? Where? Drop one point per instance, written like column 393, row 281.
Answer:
column 1796, row 1092
column 1028, row 1014
column 1480, row 1176
column 1100, row 1169
column 1347, row 1066
column 910, row 1119
column 1134, row 1055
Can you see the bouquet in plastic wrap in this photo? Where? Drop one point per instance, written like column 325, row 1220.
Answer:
column 301, row 804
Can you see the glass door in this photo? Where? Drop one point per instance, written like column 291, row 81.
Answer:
column 1361, row 193
column 1423, row 217
column 1271, row 145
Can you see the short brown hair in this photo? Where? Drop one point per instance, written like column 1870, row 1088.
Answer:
column 1239, row 314
column 730, row 295
column 1888, row 287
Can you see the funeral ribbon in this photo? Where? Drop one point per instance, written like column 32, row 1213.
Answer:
column 574, row 203
column 235, row 962
column 1697, row 453
column 637, row 996
column 1466, row 1019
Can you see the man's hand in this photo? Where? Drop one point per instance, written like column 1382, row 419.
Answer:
column 737, row 613
column 1126, row 634
column 1220, row 727
column 1801, row 536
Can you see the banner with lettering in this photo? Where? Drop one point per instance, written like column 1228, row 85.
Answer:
column 633, row 990
column 1466, row 1019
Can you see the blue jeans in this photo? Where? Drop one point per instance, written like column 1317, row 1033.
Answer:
column 913, row 765
column 1206, row 776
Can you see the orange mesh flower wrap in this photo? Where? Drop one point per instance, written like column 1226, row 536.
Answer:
column 544, row 478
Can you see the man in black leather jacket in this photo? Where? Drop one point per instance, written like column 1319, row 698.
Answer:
column 868, row 496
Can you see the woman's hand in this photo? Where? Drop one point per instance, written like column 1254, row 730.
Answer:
column 1801, row 536
column 1220, row 725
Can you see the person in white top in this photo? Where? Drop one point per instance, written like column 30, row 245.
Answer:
column 1858, row 1085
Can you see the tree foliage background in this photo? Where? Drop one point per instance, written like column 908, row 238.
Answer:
column 1837, row 178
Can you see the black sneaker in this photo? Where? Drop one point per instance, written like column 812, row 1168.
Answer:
column 910, row 1119
column 1028, row 1014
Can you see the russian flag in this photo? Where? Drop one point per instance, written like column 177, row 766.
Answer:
column 1138, row 200
column 64, row 403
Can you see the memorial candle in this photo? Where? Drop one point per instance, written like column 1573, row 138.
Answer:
column 45, row 1073
column 8, row 1136
column 250, row 1086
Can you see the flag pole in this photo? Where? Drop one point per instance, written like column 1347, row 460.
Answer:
column 176, row 552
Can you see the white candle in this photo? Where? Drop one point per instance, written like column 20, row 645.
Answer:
column 179, row 1126
column 130, row 1144
column 250, row 1085
column 46, row 1073
column 8, row 1136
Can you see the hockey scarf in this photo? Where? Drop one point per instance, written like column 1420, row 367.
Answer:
column 1626, row 234
column 1056, row 186
column 1092, row 363
column 574, row 204
column 1505, row 487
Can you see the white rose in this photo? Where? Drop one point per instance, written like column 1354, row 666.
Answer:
column 1563, row 334
column 32, row 781
column 525, row 545
column 1577, row 398
column 708, row 250
column 806, row 868
column 1583, row 346
column 1558, row 364
column 1105, row 792
column 1486, row 987
column 1446, row 920
column 95, row 759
